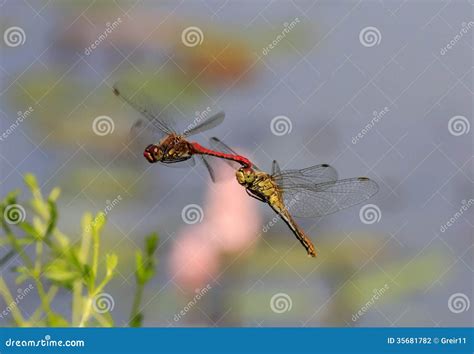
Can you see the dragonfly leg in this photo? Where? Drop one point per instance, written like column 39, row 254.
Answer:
column 253, row 195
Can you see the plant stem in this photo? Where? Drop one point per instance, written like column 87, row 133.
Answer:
column 137, row 299
column 16, row 314
column 86, row 311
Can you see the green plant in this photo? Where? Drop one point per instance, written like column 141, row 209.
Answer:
column 60, row 263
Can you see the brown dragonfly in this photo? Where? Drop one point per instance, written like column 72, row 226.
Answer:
column 309, row 192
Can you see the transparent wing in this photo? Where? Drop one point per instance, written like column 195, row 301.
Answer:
column 181, row 163
column 218, row 145
column 318, row 199
column 275, row 168
column 154, row 118
column 305, row 177
column 206, row 161
column 206, row 124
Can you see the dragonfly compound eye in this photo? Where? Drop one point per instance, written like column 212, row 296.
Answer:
column 249, row 176
column 240, row 176
column 150, row 153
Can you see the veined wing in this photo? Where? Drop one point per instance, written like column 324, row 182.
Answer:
column 312, row 175
column 206, row 124
column 154, row 118
column 275, row 168
column 218, row 145
column 206, row 161
column 318, row 199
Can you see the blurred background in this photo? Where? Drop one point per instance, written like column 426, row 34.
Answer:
column 375, row 88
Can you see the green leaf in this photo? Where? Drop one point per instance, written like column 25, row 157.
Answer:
column 11, row 197
column 31, row 182
column 151, row 244
column 140, row 272
column 59, row 271
column 56, row 320
column 53, row 215
column 23, row 273
column 99, row 222
column 54, row 194
column 30, row 230
column 86, row 223
column 111, row 263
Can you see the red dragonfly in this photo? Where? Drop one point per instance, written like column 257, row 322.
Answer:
column 173, row 147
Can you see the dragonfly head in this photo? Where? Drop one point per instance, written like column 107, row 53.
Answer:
column 245, row 175
column 153, row 153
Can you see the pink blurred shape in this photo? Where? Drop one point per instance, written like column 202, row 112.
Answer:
column 194, row 260
column 231, row 224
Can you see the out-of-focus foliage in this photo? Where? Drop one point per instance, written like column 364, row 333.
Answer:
column 60, row 263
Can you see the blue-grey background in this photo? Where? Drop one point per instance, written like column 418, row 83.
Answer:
column 324, row 80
